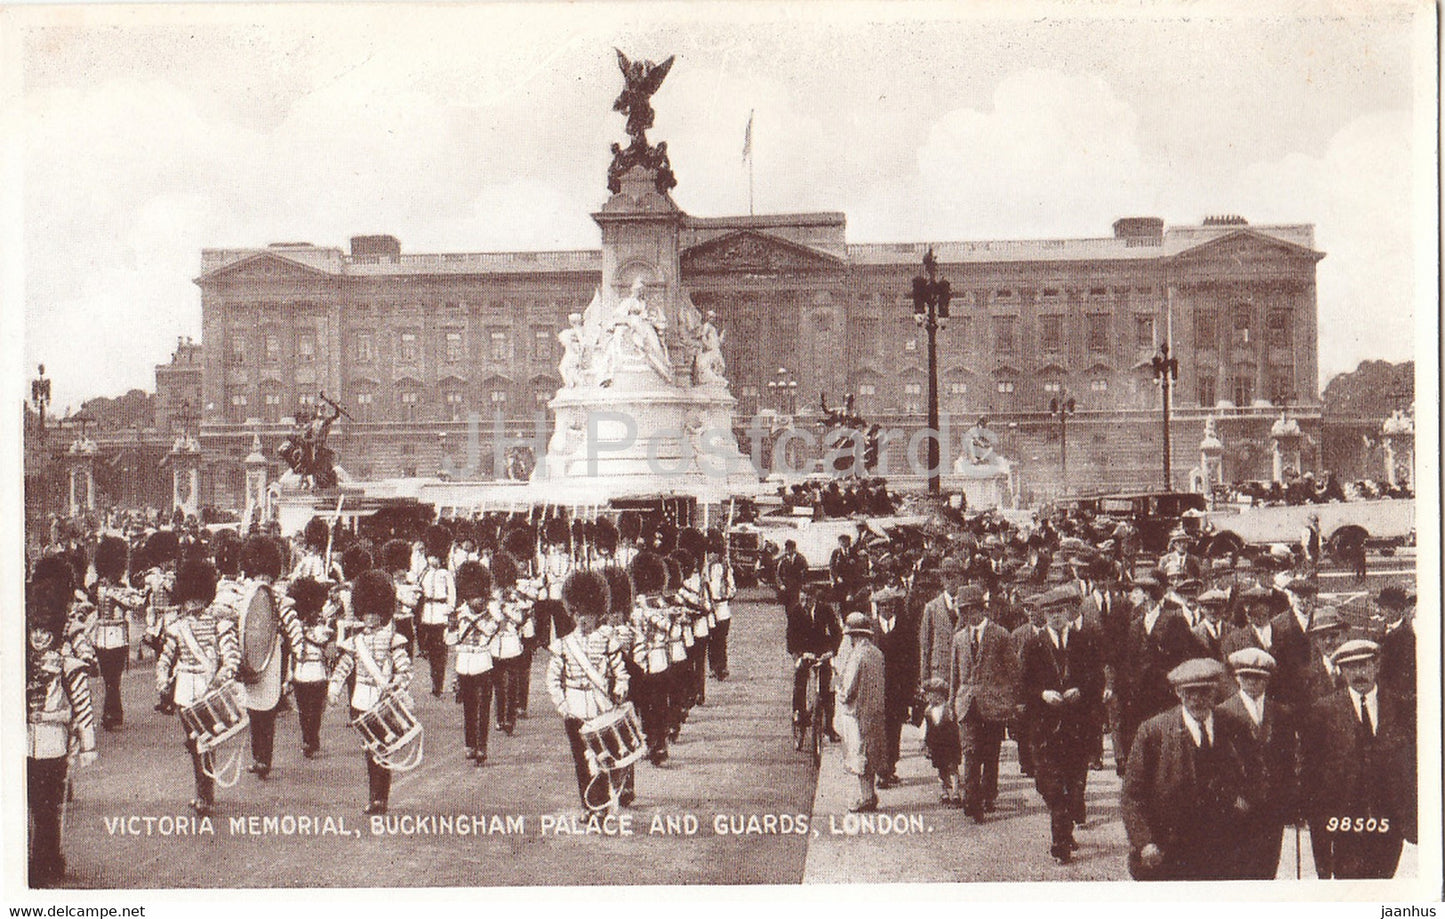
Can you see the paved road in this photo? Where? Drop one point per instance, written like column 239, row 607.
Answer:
column 734, row 758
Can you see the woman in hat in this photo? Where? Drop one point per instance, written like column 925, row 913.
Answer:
column 860, row 711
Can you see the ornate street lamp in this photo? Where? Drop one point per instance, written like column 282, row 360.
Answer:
column 1166, row 373
column 40, row 395
column 785, row 386
column 1061, row 407
column 931, row 295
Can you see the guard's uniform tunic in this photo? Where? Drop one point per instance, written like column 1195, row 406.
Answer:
column 388, row 651
column 193, row 676
column 59, row 716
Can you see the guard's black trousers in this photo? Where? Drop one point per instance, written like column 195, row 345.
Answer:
column 476, row 692
column 45, row 788
column 112, row 665
column 310, row 703
column 378, row 777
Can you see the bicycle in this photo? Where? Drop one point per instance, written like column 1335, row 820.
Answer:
column 808, row 724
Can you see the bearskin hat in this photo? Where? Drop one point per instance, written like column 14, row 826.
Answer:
column 604, row 536
column 520, row 540
column 581, row 531
column 310, row 596
column 584, row 593
column 488, row 532
column 474, row 581
column 374, row 594
column 438, row 541
column 464, row 529
column 562, row 622
column 692, row 541
column 716, row 541
column 228, row 553
column 162, row 547
column 395, row 556
column 629, row 525
column 686, row 561
column 619, row 591
column 664, row 538
column 354, row 562
column 261, row 557
column 314, row 536
column 46, row 604
column 674, row 573
column 195, row 580
column 649, row 572
column 192, row 548
column 505, row 570
column 555, row 529
column 110, row 556
column 56, row 568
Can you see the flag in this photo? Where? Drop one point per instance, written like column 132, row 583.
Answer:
column 748, row 138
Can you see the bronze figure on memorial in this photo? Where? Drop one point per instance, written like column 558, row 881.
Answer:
column 642, row 80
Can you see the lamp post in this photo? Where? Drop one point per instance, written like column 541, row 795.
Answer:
column 931, row 296
column 1061, row 407
column 785, row 386
column 1166, row 373
column 40, row 395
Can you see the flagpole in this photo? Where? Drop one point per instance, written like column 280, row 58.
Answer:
column 748, row 155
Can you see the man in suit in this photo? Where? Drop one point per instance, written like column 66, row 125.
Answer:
column 1291, row 628
column 1062, row 684
column 1258, row 630
column 1186, row 791
column 1319, row 677
column 813, row 630
column 1158, row 640
column 791, row 573
column 895, row 632
column 1019, row 726
column 1358, row 772
column 1209, row 633
column 1272, row 726
column 940, row 620
column 1397, row 643
column 982, row 684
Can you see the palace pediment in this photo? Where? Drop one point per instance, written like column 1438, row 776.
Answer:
column 265, row 266
column 751, row 252
column 1250, row 252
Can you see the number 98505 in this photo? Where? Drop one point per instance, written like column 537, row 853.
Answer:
column 1358, row 825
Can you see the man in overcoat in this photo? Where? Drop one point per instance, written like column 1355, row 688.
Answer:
column 860, row 711
column 983, row 680
column 1273, row 727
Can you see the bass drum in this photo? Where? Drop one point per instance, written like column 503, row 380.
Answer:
column 260, row 668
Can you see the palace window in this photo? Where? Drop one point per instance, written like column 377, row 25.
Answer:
column 237, row 352
column 1243, row 389
column 409, row 400
column 1099, row 385
column 365, row 348
column 1204, row 330
column 500, row 345
column 867, row 389
column 912, row 398
column 456, row 403
column 306, row 347
column 498, row 398
column 305, row 404
column 910, row 346
column 958, row 388
column 1053, row 387
column 542, row 345
column 273, row 348
column 1097, row 330
column 364, row 402
column 272, row 406
column 454, row 348
column 1243, row 315
column 1051, row 334
column 238, row 406
column 749, row 400
column 408, row 348
column 1003, row 334
column 1143, row 331
column 1281, row 387
column 1279, row 331
column 1006, row 387
column 1206, row 392
column 540, row 398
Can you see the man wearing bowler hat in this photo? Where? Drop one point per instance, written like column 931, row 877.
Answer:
column 1273, row 727
column 1186, row 792
column 1358, row 772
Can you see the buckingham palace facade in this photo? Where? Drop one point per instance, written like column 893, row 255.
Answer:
column 415, row 345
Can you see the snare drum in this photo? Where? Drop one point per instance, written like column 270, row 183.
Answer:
column 387, row 729
column 217, row 716
column 614, row 738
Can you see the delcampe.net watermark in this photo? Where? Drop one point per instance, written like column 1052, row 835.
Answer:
column 686, row 452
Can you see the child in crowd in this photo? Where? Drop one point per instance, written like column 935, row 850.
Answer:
column 940, row 736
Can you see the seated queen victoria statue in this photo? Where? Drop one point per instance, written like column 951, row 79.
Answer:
column 980, row 455
column 634, row 330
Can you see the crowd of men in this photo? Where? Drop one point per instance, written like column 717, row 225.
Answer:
column 633, row 612
column 1236, row 704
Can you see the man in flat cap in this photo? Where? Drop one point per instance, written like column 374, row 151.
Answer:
column 1292, row 649
column 1062, row 686
column 1186, row 793
column 1272, row 726
column 1209, row 633
column 940, row 620
column 1358, row 771
column 1158, row 640
column 983, row 678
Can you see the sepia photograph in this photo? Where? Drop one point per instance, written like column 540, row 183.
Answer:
column 802, row 446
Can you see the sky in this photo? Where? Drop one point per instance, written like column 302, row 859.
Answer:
column 145, row 134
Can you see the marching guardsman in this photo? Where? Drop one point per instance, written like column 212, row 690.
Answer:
column 396, row 561
column 308, row 598
column 512, row 607
column 534, row 588
column 59, row 723
column 378, row 656
column 262, row 561
column 629, row 535
column 622, row 641
column 605, row 542
column 464, row 548
column 679, row 643
column 554, row 560
column 162, row 549
column 473, row 627
column 651, row 623
column 1358, row 773
column 1062, row 680
column 438, row 601
column 584, row 679
column 114, row 601
column 1187, row 797
column 313, row 561
column 692, row 596
column 1273, row 727
column 199, row 653
column 355, row 562
column 722, row 588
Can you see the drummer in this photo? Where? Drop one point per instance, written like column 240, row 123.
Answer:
column 261, row 564
column 199, row 652
column 378, row 656
column 584, row 679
